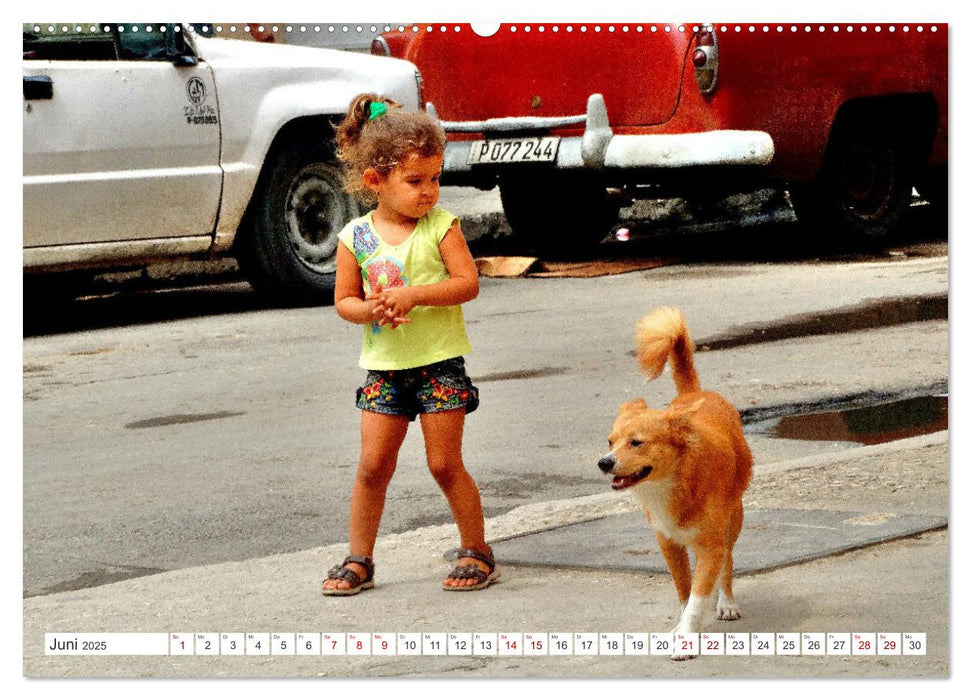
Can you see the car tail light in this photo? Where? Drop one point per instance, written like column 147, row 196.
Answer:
column 705, row 60
column 395, row 43
column 379, row 47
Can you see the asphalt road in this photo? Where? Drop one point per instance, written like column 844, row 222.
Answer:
column 167, row 428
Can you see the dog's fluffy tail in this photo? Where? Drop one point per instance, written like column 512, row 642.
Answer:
column 661, row 335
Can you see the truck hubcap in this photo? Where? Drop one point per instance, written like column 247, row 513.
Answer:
column 316, row 211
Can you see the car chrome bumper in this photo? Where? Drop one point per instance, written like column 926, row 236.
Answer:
column 599, row 148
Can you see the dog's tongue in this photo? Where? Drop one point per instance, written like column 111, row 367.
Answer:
column 621, row 482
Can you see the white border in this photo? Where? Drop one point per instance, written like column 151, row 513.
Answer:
column 506, row 11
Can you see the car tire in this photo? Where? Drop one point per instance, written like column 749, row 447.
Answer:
column 289, row 247
column 864, row 187
column 562, row 215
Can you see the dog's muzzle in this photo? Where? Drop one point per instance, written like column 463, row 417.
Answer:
column 608, row 462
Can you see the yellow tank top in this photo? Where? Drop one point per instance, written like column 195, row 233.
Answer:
column 435, row 333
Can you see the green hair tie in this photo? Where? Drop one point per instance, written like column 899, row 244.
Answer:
column 376, row 109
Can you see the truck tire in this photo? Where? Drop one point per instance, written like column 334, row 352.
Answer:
column 865, row 184
column 289, row 247
column 562, row 215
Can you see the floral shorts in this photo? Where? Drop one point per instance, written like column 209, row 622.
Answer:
column 442, row 386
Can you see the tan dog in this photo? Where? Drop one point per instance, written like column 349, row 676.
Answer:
column 688, row 465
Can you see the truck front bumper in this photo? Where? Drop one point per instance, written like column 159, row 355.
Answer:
column 600, row 149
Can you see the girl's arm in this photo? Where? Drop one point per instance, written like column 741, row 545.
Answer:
column 349, row 300
column 461, row 286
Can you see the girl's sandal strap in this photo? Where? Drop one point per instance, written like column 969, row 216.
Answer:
column 343, row 573
column 486, row 559
column 482, row 579
column 366, row 562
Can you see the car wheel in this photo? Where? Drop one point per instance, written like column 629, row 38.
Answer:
column 864, row 187
column 289, row 251
column 561, row 215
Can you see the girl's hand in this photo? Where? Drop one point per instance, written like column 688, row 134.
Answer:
column 384, row 316
column 390, row 308
column 399, row 301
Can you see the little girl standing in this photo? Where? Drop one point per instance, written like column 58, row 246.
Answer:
column 403, row 270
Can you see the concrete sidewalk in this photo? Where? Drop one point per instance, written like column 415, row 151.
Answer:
column 895, row 586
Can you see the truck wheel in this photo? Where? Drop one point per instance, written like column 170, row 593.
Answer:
column 562, row 215
column 289, row 251
column 864, row 187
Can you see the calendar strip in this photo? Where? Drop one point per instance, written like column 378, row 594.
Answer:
column 485, row 644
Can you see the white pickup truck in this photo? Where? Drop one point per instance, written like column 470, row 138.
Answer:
column 147, row 143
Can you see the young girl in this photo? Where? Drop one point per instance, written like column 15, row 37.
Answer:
column 402, row 272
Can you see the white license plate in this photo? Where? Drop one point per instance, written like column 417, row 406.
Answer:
column 523, row 150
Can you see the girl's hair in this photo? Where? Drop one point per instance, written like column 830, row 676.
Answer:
column 383, row 142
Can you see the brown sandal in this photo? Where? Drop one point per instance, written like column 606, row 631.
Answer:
column 482, row 578
column 343, row 573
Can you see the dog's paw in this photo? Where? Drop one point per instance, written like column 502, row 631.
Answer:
column 728, row 612
column 727, row 609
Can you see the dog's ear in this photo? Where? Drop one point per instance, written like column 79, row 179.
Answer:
column 631, row 407
column 679, row 420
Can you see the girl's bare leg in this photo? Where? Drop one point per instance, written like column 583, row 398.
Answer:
column 443, row 448
column 381, row 439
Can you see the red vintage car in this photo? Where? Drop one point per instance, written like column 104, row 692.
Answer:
column 571, row 121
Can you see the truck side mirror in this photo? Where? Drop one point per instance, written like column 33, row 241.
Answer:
column 178, row 49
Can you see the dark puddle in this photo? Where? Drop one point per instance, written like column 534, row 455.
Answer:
column 867, row 425
column 181, row 418
column 90, row 579
column 521, row 374
column 892, row 312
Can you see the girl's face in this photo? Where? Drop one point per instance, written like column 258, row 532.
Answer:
column 411, row 190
